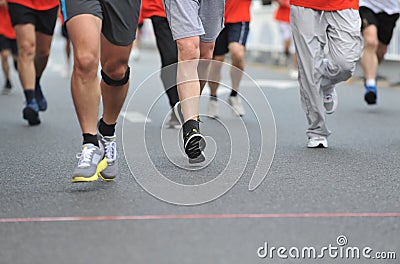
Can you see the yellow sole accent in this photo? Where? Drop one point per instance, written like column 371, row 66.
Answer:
column 105, row 179
column 100, row 167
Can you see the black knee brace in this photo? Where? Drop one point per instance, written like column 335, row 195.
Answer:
column 112, row 82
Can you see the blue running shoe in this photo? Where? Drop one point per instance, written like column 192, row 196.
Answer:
column 370, row 95
column 31, row 113
column 40, row 99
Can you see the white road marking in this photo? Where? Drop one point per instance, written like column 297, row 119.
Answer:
column 135, row 117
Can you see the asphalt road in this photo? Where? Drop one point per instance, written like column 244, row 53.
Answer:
column 309, row 198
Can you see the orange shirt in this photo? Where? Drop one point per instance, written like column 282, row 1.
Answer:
column 237, row 11
column 327, row 5
column 6, row 28
column 152, row 8
column 282, row 13
column 37, row 4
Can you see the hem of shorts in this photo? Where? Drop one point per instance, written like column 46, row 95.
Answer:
column 78, row 14
column 189, row 34
column 119, row 43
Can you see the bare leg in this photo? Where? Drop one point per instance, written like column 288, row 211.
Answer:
column 85, row 85
column 187, row 77
column 369, row 60
column 215, row 74
column 26, row 40
column 4, row 62
column 237, row 53
column 43, row 45
column 114, row 61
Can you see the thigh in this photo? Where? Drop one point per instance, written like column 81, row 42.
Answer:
column 309, row 38
column 387, row 23
column 120, row 20
column 46, row 21
column 344, row 35
column 113, row 56
column 368, row 17
column 212, row 17
column 238, row 32
column 183, row 18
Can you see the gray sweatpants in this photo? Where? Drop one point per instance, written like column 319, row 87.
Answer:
column 319, row 72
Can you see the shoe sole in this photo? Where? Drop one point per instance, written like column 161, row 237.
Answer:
column 320, row 145
column 100, row 167
column 108, row 179
column 370, row 98
column 194, row 148
column 31, row 116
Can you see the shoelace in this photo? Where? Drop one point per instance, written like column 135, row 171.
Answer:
column 111, row 150
column 85, row 157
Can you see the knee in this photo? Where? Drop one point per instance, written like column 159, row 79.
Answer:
column 26, row 49
column 42, row 53
column 347, row 69
column 115, row 70
column 86, row 63
column 206, row 51
column 188, row 49
column 371, row 43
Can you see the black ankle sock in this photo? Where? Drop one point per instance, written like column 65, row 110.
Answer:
column 89, row 138
column 29, row 95
column 233, row 93
column 105, row 129
column 189, row 125
column 213, row 97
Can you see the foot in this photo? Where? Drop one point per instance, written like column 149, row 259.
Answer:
column 370, row 95
column 110, row 152
column 40, row 99
column 173, row 121
column 194, row 144
column 317, row 142
column 91, row 163
column 212, row 108
column 237, row 107
column 31, row 113
column 330, row 102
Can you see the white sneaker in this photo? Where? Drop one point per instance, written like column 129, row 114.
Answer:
column 330, row 102
column 212, row 108
column 237, row 106
column 317, row 142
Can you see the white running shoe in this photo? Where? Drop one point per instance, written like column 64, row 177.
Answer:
column 317, row 142
column 330, row 102
column 212, row 108
column 236, row 103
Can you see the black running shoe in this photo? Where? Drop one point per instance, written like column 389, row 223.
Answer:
column 194, row 144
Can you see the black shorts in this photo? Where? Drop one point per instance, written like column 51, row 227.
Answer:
column 120, row 17
column 232, row 32
column 383, row 21
column 8, row 44
column 44, row 21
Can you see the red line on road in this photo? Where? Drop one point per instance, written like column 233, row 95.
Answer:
column 192, row 216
